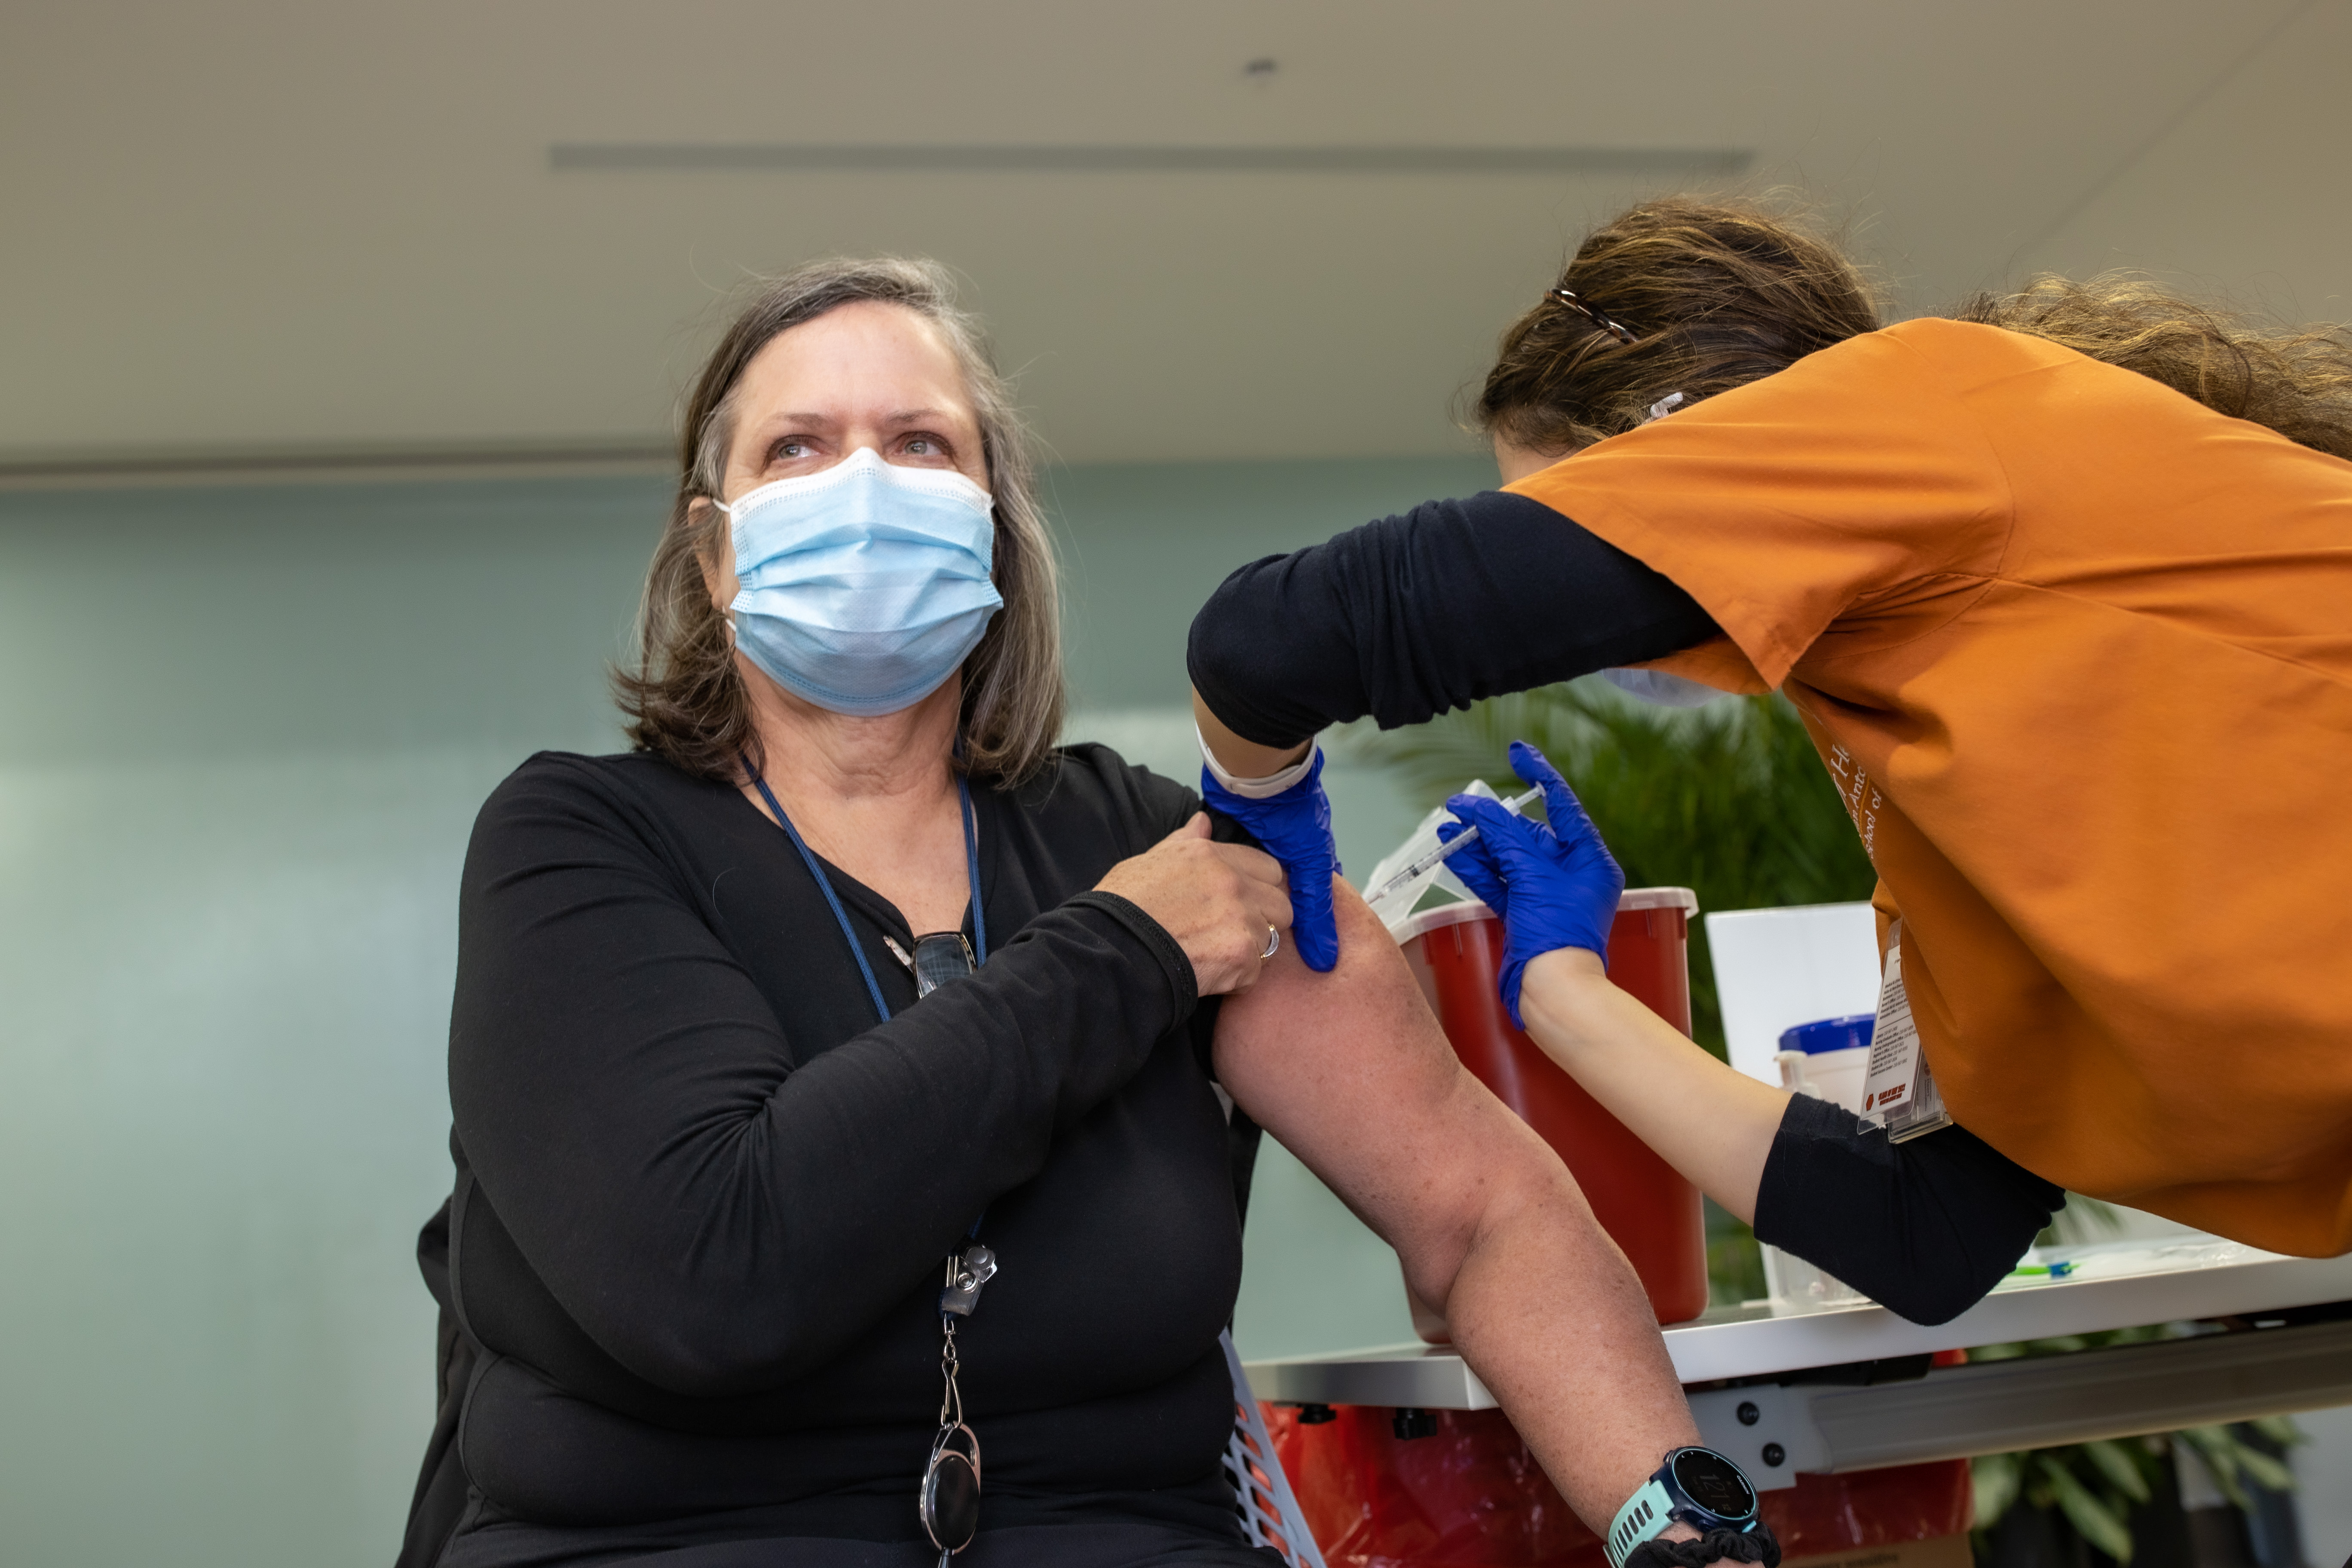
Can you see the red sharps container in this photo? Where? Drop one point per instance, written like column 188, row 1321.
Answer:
column 1456, row 952
column 1470, row 1495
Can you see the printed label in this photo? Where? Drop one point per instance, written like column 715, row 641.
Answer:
column 1860, row 797
column 1898, row 1092
column 1894, row 1040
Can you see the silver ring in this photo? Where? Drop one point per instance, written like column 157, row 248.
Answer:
column 1272, row 943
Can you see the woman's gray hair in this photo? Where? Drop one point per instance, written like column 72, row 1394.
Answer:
column 686, row 699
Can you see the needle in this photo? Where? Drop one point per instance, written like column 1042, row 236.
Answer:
column 1438, row 856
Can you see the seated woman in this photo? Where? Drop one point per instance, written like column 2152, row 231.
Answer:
column 847, row 974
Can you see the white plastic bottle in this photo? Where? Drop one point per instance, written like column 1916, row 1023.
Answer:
column 1828, row 1060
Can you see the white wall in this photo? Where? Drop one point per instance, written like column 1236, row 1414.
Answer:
column 2243, row 193
column 2323, row 1473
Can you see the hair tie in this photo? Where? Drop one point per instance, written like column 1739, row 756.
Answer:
column 1567, row 298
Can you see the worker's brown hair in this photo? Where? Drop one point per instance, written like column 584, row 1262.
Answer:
column 1711, row 296
column 685, row 699
column 1697, row 297
column 2298, row 381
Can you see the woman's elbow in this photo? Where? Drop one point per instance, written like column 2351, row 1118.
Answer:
column 698, row 1345
column 1218, row 650
column 1935, row 1299
column 1952, row 1261
column 1928, row 1275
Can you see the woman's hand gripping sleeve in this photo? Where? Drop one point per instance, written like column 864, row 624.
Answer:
column 717, row 1218
column 1412, row 616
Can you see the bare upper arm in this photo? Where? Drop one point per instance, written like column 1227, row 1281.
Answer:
column 1351, row 1071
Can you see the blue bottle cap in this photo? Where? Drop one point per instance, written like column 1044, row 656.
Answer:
column 1828, row 1035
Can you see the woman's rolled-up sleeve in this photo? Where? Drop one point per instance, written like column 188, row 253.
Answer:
column 718, row 1213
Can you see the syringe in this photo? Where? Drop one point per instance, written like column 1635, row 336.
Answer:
column 1437, row 857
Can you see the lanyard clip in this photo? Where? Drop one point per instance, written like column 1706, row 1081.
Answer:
column 966, row 1274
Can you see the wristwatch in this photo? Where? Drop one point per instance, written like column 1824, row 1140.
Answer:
column 1697, row 1486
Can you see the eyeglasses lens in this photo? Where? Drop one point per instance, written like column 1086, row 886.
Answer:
column 941, row 957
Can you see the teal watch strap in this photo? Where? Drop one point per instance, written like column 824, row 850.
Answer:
column 1644, row 1516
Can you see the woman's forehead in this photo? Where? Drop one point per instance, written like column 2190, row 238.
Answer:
column 862, row 358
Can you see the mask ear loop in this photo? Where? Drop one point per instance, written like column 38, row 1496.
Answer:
column 727, row 616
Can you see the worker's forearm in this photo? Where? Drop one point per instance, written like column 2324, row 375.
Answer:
column 1551, row 1316
column 1713, row 1124
column 1243, row 758
column 1403, row 619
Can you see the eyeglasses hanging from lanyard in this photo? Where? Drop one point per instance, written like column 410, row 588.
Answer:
column 948, row 1498
column 945, row 962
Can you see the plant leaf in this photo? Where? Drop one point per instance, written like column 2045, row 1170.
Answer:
column 1996, row 1476
column 2096, row 1213
column 2121, row 1471
column 2087, row 1514
column 2280, row 1429
column 2265, row 1471
column 2219, row 1451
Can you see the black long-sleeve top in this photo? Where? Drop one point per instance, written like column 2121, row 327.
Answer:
column 703, row 1195
column 1405, row 619
column 1457, row 600
column 1923, row 1228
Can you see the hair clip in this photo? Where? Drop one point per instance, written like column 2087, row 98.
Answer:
column 1664, row 407
column 1567, row 298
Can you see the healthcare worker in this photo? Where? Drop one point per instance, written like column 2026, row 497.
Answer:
column 2061, row 586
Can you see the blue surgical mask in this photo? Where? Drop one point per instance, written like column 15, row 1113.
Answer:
column 862, row 588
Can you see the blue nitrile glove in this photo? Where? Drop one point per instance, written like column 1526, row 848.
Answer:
column 1555, row 887
column 1295, row 828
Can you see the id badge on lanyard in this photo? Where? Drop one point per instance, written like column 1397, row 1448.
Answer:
column 1898, row 1092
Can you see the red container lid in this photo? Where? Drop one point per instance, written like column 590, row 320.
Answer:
column 1423, row 921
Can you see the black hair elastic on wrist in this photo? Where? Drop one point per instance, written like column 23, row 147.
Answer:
column 1756, row 1545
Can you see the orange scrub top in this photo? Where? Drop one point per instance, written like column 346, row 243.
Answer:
column 2078, row 651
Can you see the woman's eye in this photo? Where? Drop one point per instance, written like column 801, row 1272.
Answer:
column 921, row 445
column 790, row 449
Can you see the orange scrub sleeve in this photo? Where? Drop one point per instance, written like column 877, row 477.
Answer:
column 2077, row 651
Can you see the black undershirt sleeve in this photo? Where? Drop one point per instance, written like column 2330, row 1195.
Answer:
column 1925, row 1227
column 1411, row 616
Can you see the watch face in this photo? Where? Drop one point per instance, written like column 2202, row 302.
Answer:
column 1714, row 1482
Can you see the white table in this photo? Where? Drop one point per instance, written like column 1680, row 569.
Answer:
column 1841, row 1388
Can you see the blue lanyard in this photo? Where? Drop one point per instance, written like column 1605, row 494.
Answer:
column 833, row 899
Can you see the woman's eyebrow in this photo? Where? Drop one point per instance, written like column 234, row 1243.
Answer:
column 828, row 421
